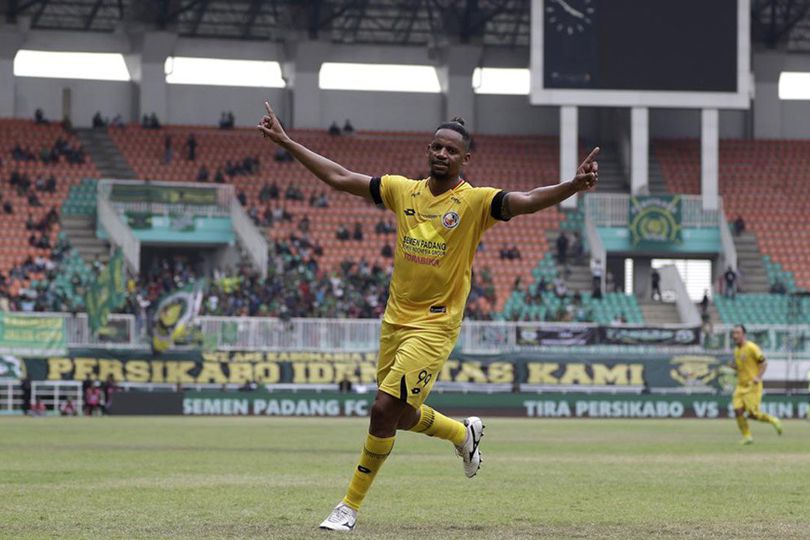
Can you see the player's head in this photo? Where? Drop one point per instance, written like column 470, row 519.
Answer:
column 738, row 334
column 449, row 150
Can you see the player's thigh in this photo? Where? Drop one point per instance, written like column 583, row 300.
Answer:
column 738, row 399
column 753, row 400
column 418, row 362
column 390, row 340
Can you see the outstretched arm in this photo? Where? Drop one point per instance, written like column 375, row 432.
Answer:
column 325, row 169
column 516, row 203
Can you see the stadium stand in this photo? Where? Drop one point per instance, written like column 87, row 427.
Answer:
column 512, row 163
column 767, row 184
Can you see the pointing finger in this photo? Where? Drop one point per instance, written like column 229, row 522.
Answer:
column 268, row 108
column 593, row 154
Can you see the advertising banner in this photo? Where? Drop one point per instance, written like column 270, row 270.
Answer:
column 546, row 370
column 648, row 335
column 147, row 193
column 552, row 405
column 655, row 219
column 44, row 335
column 556, row 335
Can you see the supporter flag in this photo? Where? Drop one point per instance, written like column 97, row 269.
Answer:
column 107, row 293
column 173, row 322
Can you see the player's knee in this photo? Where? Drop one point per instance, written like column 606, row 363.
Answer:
column 739, row 412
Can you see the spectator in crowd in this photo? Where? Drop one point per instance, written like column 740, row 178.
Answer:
column 292, row 193
column 348, row 128
column 357, row 234
column 562, row 247
column 153, row 123
column 92, row 399
column 117, row 121
column 67, row 408
column 218, row 177
column 739, row 225
column 345, row 385
column 577, row 248
column 264, row 193
column 282, row 156
column 25, row 385
column 191, row 147
column 596, row 277
column 342, row 233
column 202, row 174
column 50, row 184
column 33, row 200
column 39, row 117
column 167, row 149
column 730, row 278
column 334, row 129
column 38, row 408
column 110, row 387
column 274, row 191
column 29, row 223
column 242, row 198
column 778, row 287
column 656, row 285
column 7, row 207
column 303, row 224
column 560, row 288
column 619, row 318
column 319, row 200
column 98, row 121
column 387, row 251
column 704, row 304
column 226, row 120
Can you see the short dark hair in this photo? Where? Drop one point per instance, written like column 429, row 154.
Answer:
column 457, row 125
column 741, row 327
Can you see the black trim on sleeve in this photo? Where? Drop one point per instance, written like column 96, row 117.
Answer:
column 497, row 205
column 374, row 186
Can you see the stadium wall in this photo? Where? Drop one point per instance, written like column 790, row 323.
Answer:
column 770, row 117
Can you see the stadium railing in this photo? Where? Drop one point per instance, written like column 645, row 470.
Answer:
column 362, row 335
column 610, row 210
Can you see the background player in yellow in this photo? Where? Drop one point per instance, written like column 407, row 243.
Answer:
column 750, row 364
column 440, row 221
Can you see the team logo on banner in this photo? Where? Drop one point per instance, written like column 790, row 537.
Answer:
column 655, row 219
column 694, row 371
column 174, row 321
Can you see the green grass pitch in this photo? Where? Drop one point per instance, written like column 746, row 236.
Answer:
column 279, row 477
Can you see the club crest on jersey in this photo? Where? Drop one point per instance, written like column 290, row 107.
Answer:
column 450, row 220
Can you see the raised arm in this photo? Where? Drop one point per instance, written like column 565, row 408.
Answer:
column 516, row 203
column 333, row 174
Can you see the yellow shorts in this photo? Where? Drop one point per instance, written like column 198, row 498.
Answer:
column 747, row 398
column 411, row 359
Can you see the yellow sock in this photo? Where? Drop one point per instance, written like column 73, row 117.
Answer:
column 435, row 424
column 742, row 423
column 375, row 450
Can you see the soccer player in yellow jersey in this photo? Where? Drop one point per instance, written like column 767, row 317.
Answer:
column 750, row 364
column 440, row 221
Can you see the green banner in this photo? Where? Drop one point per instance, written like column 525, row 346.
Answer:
column 106, row 294
column 148, row 193
column 20, row 334
column 655, row 219
column 552, row 405
column 630, row 372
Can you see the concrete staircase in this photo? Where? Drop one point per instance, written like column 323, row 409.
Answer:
column 611, row 177
column 753, row 277
column 108, row 159
column 659, row 312
column 579, row 272
column 81, row 230
column 656, row 178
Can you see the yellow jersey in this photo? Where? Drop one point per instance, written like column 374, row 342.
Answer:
column 437, row 237
column 748, row 359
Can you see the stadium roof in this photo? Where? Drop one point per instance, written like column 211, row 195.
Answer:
column 404, row 22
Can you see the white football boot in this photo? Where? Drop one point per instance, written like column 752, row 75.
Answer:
column 469, row 451
column 342, row 518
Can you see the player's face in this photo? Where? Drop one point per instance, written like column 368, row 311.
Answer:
column 447, row 154
column 738, row 336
